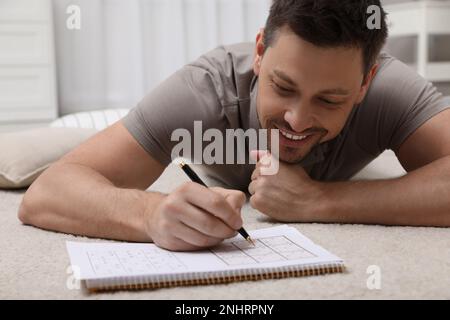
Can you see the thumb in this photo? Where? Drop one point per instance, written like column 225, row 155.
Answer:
column 258, row 154
column 235, row 198
column 263, row 157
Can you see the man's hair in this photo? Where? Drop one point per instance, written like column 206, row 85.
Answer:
column 328, row 24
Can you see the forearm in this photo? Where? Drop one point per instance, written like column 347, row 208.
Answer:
column 76, row 199
column 420, row 198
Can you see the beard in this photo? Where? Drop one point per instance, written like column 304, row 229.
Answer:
column 294, row 155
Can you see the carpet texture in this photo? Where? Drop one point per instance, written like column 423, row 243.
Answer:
column 414, row 262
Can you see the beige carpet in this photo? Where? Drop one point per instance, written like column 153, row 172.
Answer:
column 414, row 262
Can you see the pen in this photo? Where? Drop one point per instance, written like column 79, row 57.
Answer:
column 194, row 177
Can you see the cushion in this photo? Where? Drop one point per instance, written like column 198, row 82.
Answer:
column 99, row 119
column 385, row 166
column 26, row 154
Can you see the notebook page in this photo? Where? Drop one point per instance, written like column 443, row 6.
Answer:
column 275, row 247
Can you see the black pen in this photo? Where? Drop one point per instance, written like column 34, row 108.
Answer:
column 194, row 177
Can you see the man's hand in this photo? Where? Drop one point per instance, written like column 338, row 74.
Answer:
column 289, row 195
column 194, row 217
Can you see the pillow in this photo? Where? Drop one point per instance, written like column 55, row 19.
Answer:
column 99, row 119
column 385, row 166
column 24, row 155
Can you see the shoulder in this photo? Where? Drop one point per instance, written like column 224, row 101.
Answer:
column 235, row 58
column 399, row 87
column 398, row 100
column 230, row 68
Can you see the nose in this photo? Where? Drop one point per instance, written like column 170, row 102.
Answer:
column 299, row 117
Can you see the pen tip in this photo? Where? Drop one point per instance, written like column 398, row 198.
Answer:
column 251, row 241
column 182, row 164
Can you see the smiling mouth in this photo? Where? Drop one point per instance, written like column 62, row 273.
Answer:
column 293, row 137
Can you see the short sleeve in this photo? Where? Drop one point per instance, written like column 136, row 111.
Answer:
column 187, row 96
column 398, row 102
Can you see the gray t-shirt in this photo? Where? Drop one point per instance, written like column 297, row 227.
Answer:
column 220, row 89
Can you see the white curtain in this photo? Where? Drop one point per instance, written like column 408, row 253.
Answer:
column 125, row 47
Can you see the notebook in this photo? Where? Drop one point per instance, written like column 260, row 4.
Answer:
column 279, row 252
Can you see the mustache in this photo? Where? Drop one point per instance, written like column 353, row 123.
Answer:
column 309, row 131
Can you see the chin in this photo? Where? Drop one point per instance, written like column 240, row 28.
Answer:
column 291, row 156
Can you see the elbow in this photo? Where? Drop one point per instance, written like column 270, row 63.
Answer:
column 36, row 200
column 27, row 210
column 33, row 203
column 24, row 213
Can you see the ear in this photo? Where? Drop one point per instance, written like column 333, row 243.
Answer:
column 366, row 84
column 259, row 51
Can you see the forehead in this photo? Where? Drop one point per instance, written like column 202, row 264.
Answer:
column 306, row 63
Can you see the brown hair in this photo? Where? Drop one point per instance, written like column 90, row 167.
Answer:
column 330, row 23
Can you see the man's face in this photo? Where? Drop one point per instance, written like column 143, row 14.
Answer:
column 306, row 92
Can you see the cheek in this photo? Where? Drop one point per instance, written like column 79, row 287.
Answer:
column 334, row 121
column 268, row 105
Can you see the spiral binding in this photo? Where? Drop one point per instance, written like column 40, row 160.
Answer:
column 133, row 283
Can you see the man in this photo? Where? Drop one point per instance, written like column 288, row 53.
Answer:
column 317, row 75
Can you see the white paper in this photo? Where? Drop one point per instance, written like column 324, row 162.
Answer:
column 275, row 247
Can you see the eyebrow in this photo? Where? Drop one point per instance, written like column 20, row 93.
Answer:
column 285, row 77
column 335, row 91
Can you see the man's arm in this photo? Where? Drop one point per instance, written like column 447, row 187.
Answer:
column 97, row 190
column 420, row 198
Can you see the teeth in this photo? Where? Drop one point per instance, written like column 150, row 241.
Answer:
column 291, row 136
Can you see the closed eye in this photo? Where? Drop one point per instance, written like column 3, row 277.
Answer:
column 281, row 89
column 329, row 102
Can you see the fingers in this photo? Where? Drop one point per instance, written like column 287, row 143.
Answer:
column 257, row 155
column 205, row 223
column 194, row 217
column 176, row 244
column 177, row 228
column 251, row 187
column 256, row 173
column 194, row 237
column 264, row 163
column 235, row 198
column 212, row 202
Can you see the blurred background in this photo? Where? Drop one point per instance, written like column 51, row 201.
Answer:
column 60, row 57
